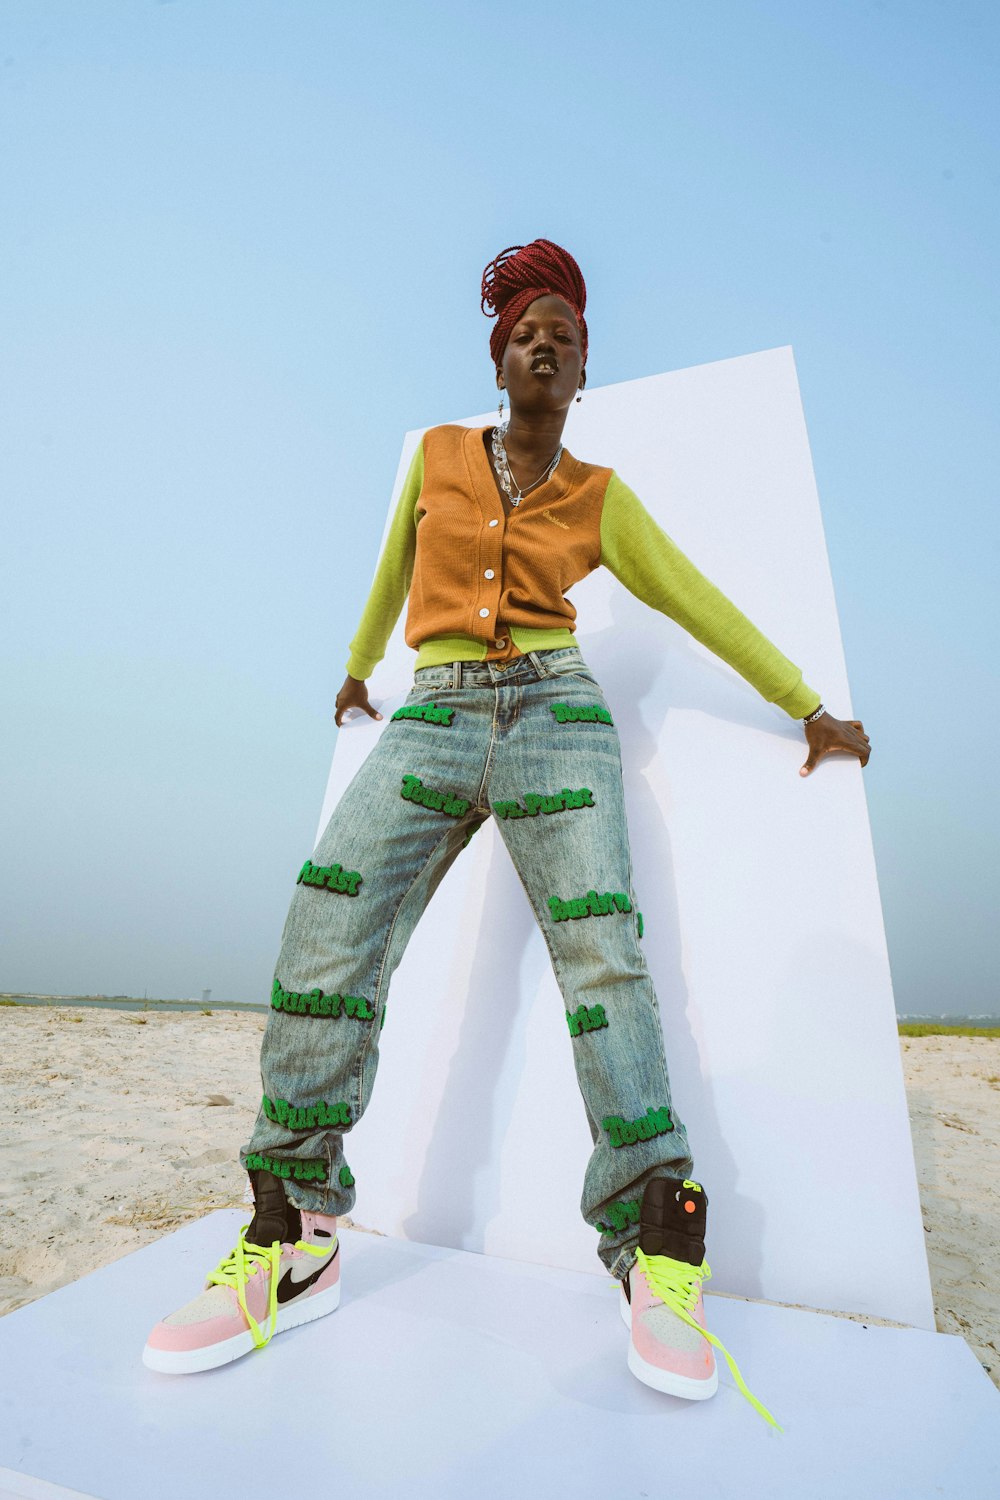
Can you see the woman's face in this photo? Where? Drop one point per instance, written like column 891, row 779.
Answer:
column 543, row 361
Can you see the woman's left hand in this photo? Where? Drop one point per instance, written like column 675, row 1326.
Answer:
column 826, row 735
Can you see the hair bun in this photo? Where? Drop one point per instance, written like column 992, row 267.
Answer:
column 518, row 275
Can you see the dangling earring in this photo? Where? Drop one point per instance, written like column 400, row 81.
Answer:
column 500, row 407
column 580, row 397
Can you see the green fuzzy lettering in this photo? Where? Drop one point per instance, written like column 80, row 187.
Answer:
column 567, row 713
column 621, row 1214
column 414, row 790
column 627, row 1132
column 329, row 877
column 429, row 713
column 316, row 1003
column 346, row 1180
column 574, row 1021
column 591, row 905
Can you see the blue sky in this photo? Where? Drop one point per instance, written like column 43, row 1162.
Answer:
column 241, row 257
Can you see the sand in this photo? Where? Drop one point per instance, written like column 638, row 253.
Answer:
column 119, row 1126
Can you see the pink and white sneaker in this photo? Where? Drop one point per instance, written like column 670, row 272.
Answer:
column 661, row 1299
column 285, row 1270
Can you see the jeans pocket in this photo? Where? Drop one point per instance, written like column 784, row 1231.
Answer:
column 572, row 667
column 429, row 684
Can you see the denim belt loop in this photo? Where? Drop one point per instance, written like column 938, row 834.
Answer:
column 533, row 657
column 456, row 673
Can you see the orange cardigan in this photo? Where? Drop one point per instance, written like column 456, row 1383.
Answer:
column 485, row 585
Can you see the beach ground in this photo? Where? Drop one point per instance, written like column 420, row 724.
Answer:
column 121, row 1125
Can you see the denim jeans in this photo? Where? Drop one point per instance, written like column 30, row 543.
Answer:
column 532, row 743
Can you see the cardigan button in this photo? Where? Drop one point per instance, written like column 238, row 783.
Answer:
column 484, row 613
column 494, row 523
column 500, row 641
column 488, row 573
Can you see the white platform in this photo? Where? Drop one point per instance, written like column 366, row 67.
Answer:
column 445, row 1373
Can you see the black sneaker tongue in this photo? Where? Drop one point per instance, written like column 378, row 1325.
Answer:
column 274, row 1217
column 672, row 1219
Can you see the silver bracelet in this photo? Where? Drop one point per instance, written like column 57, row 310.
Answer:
column 814, row 715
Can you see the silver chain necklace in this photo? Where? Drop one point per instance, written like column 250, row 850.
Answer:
column 507, row 482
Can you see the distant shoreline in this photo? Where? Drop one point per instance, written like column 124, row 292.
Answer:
column 908, row 1025
column 130, row 1002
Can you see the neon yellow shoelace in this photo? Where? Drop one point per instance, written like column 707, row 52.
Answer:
column 676, row 1283
column 232, row 1271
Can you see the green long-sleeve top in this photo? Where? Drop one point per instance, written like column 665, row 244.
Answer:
column 485, row 583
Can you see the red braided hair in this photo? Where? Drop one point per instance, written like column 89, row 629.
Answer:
column 521, row 273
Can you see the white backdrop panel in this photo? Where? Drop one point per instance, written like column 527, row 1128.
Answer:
column 763, row 924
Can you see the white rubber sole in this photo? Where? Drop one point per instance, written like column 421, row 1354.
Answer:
column 190, row 1361
column 665, row 1380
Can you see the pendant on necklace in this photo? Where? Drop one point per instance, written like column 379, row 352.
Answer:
column 507, row 481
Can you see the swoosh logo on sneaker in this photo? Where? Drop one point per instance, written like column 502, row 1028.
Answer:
column 288, row 1288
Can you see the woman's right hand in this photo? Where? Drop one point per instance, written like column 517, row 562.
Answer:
column 354, row 694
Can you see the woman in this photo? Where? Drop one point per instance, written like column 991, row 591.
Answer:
column 493, row 526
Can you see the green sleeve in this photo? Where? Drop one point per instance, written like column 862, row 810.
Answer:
column 651, row 566
column 392, row 577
